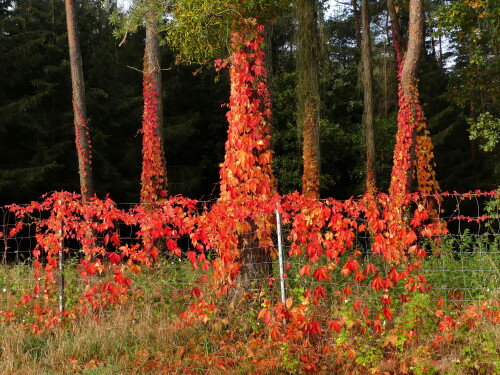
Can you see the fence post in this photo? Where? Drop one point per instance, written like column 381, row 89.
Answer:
column 280, row 256
column 61, row 268
column 4, row 230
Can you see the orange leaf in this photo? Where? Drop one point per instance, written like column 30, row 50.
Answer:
column 305, row 270
column 321, row 273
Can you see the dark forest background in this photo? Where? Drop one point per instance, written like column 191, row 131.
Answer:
column 37, row 151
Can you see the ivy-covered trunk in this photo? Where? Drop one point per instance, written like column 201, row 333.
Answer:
column 154, row 174
column 246, row 172
column 413, row 154
column 308, row 94
column 82, row 139
column 366, row 59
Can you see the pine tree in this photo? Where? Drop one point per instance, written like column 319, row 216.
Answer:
column 82, row 131
column 35, row 148
column 368, row 108
column 308, row 100
column 154, row 173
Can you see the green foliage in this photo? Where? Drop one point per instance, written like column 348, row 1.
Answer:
column 138, row 12
column 479, row 352
column 473, row 27
column 35, row 83
column 201, row 29
column 486, row 127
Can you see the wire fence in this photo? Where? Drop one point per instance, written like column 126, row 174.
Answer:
column 463, row 266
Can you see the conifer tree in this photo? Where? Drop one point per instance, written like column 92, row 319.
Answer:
column 83, row 144
column 368, row 117
column 154, row 173
column 308, row 100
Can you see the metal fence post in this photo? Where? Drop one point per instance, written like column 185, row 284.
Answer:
column 61, row 268
column 280, row 256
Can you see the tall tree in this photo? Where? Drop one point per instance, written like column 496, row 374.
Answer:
column 414, row 147
column 357, row 25
column 149, row 14
column 368, row 117
column 308, row 98
column 82, row 132
column 246, row 172
column 154, row 173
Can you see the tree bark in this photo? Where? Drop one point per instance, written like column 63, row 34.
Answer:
column 356, row 23
column 409, row 68
column 366, row 59
column 397, row 33
column 256, row 264
column 415, row 45
column 308, row 100
column 152, row 67
column 82, row 139
column 440, row 53
column 268, row 63
column 154, row 174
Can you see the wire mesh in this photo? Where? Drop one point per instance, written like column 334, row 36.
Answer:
column 463, row 266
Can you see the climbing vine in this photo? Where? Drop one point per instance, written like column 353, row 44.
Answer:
column 154, row 174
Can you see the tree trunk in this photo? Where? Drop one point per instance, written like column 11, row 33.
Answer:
column 414, row 149
column 415, row 46
column 82, row 140
column 408, row 116
column 152, row 67
column 397, row 34
column 356, row 23
column 246, row 172
column 366, row 59
column 440, row 53
column 256, row 264
column 308, row 100
column 268, row 63
column 154, row 174
column 473, row 142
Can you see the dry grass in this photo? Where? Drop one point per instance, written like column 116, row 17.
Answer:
column 141, row 336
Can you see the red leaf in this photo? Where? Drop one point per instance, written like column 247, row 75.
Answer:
column 197, row 293
column 314, row 328
column 305, row 270
column 377, row 283
column 115, row 239
column 320, row 292
column 192, row 258
column 335, row 325
column 25, row 299
column 393, row 275
column 122, row 280
column 321, row 273
column 387, row 312
column 171, row 244
column 114, row 258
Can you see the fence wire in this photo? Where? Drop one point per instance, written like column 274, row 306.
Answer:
column 463, row 267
